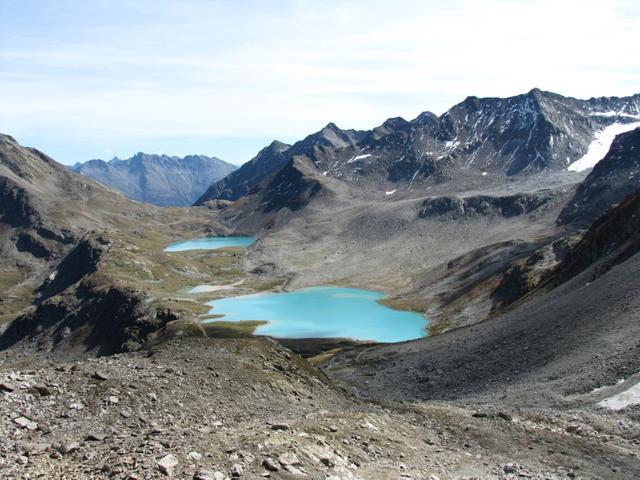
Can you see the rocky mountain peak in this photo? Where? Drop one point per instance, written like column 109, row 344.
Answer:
column 536, row 93
column 139, row 158
column 331, row 136
column 396, row 123
column 277, row 146
column 520, row 135
column 425, row 118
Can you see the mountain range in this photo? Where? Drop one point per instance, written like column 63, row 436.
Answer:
column 506, row 137
column 158, row 179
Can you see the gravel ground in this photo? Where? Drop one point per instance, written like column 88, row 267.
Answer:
column 202, row 408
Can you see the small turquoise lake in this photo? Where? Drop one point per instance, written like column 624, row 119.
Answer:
column 322, row 312
column 210, row 243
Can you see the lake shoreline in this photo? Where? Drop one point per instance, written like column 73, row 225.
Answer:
column 318, row 312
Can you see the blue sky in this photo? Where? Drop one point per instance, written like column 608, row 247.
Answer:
column 95, row 79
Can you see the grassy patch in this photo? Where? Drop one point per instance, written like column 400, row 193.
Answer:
column 178, row 305
column 179, row 328
column 269, row 285
column 141, row 260
column 323, row 357
column 232, row 329
column 437, row 328
column 211, row 316
column 189, row 329
column 412, row 304
column 15, row 300
column 10, row 279
column 7, row 317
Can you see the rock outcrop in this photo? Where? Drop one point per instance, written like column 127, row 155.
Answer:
column 506, row 206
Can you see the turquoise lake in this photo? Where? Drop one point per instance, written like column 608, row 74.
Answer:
column 322, row 312
column 210, row 243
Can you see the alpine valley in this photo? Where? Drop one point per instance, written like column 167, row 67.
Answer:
column 512, row 225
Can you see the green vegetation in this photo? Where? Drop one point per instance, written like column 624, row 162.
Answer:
column 15, row 295
column 211, row 316
column 232, row 329
column 10, row 279
column 437, row 328
column 139, row 260
column 411, row 304
column 323, row 357
column 269, row 285
column 7, row 317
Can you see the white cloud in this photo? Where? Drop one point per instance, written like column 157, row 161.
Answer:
column 112, row 71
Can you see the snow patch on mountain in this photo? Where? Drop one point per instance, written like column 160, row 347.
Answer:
column 614, row 114
column 630, row 396
column 600, row 145
column 359, row 157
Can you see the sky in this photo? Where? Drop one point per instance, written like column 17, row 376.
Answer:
column 103, row 78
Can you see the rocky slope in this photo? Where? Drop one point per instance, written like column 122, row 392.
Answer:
column 282, row 196
column 78, row 309
column 612, row 239
column 45, row 209
column 75, row 263
column 572, row 334
column 202, row 409
column 525, row 134
column 487, row 280
column 158, row 179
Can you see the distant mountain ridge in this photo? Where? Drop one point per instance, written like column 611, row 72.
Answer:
column 158, row 179
column 512, row 136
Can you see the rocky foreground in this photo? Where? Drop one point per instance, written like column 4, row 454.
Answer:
column 198, row 408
